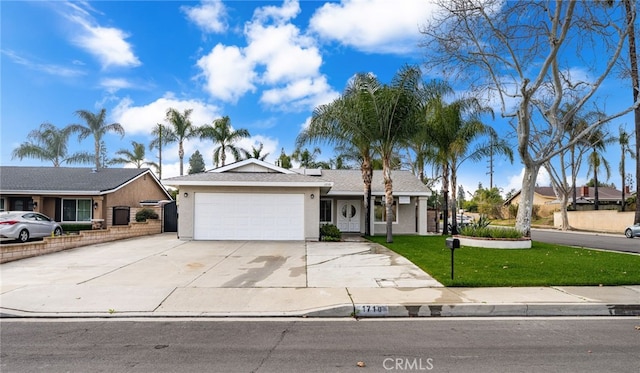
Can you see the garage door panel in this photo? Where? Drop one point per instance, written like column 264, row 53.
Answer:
column 240, row 216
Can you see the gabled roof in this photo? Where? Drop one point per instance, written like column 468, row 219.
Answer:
column 253, row 172
column 68, row 180
column 604, row 194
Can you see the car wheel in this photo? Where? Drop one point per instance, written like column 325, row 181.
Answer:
column 57, row 231
column 628, row 233
column 23, row 236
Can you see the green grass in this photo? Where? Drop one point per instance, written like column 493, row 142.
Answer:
column 542, row 265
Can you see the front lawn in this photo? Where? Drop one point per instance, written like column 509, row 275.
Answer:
column 542, row 265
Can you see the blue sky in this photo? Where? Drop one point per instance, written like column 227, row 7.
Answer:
column 265, row 64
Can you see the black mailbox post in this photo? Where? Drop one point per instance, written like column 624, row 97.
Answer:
column 452, row 243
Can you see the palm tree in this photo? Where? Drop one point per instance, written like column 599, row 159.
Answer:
column 135, row 156
column 96, row 127
column 346, row 122
column 49, row 143
column 625, row 149
column 395, row 122
column 162, row 136
column 305, row 157
column 222, row 134
column 255, row 153
column 598, row 141
column 180, row 129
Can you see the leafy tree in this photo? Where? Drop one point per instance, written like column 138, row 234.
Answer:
column 222, row 134
column 254, row 153
column 284, row 160
column 180, row 129
column 305, row 157
column 196, row 163
column 96, row 127
column 49, row 143
column 135, row 156
column 530, row 76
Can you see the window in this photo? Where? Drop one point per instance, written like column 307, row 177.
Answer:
column 1, row 204
column 76, row 210
column 380, row 211
column 325, row 211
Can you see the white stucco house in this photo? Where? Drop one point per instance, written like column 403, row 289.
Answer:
column 256, row 200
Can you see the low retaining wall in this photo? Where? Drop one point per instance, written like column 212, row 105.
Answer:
column 610, row 221
column 494, row 243
column 10, row 252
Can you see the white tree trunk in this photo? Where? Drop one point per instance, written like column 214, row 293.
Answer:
column 525, row 208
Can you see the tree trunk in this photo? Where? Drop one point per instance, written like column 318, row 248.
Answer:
column 635, row 83
column 97, row 149
column 367, row 176
column 181, row 155
column 445, row 196
column 525, row 208
column 388, row 193
column 596, row 201
column 623, row 182
column 454, row 205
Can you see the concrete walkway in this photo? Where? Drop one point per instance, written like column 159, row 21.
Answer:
column 161, row 276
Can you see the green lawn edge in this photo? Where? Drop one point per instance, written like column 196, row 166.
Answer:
column 542, row 265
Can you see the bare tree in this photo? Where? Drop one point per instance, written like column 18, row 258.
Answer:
column 528, row 66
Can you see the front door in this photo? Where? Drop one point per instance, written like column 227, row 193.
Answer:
column 349, row 216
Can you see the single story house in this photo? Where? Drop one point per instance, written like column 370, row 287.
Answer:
column 545, row 197
column 108, row 196
column 256, row 200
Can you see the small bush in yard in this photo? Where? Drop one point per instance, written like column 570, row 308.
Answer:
column 330, row 232
column 489, row 232
column 144, row 214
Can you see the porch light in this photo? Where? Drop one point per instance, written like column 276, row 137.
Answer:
column 186, row 194
column 312, row 196
column 95, row 205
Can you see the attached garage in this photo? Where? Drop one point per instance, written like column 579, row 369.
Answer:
column 249, row 216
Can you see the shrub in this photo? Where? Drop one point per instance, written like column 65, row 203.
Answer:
column 490, row 232
column 144, row 214
column 330, row 232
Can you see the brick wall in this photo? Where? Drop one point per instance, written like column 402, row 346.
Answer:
column 10, row 252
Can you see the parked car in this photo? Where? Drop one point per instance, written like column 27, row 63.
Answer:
column 23, row 225
column 632, row 231
column 464, row 220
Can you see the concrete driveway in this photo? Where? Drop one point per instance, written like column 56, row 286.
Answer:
column 163, row 274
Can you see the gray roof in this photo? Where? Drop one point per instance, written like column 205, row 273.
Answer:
column 340, row 182
column 350, row 181
column 65, row 179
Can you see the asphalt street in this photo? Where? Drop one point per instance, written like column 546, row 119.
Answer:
column 321, row 345
column 592, row 240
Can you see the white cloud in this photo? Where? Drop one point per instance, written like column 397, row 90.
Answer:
column 277, row 58
column 142, row 119
column 113, row 85
column 209, row 16
column 373, row 25
column 515, row 181
column 107, row 44
column 50, row 69
column 228, row 73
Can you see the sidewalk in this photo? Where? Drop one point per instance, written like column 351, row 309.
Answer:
column 160, row 276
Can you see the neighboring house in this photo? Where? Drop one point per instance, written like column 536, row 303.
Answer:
column 255, row 200
column 79, row 195
column 608, row 198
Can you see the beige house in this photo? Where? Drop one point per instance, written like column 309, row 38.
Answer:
column 255, row 200
column 106, row 197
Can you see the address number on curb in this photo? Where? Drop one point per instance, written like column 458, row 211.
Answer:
column 371, row 310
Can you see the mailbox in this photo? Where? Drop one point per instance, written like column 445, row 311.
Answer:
column 453, row 243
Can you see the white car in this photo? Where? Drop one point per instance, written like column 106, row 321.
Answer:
column 23, row 225
column 632, row 231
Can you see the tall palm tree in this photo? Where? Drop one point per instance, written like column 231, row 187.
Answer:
column 162, row 136
column 347, row 123
column 96, row 127
column 396, row 108
column 49, row 143
column 625, row 149
column 254, row 153
column 306, row 157
column 135, row 156
column 180, row 129
column 598, row 141
column 222, row 134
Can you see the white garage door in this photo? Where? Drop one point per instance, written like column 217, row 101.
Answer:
column 244, row 216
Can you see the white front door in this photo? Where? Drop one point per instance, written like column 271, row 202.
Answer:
column 349, row 216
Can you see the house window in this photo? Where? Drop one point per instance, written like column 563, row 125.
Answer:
column 380, row 211
column 325, row 210
column 1, row 204
column 76, row 210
